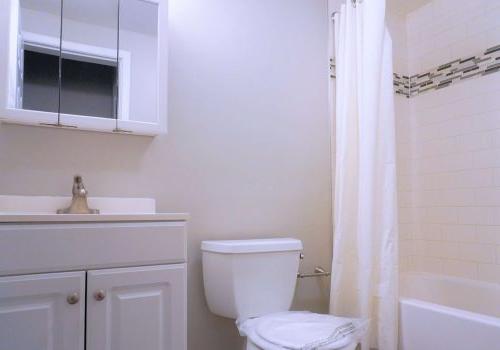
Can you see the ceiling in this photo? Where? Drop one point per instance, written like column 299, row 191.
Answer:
column 405, row 6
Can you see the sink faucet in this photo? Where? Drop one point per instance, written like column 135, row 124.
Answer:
column 79, row 203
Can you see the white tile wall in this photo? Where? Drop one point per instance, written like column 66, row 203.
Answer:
column 397, row 28
column 445, row 29
column 449, row 147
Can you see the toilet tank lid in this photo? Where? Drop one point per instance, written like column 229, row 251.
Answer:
column 252, row 245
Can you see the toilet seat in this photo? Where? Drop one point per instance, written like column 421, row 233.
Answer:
column 302, row 331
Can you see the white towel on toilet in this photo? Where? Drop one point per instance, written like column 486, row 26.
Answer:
column 302, row 331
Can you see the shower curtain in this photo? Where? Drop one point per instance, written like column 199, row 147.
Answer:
column 365, row 245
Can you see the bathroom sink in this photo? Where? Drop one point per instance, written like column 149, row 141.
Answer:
column 43, row 209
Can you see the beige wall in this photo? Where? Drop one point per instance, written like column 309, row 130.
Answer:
column 247, row 152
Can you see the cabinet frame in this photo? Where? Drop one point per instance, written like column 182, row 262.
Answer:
column 9, row 19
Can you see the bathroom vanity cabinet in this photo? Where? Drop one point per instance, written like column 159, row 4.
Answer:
column 93, row 285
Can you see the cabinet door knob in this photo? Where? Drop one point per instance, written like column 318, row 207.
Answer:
column 100, row 295
column 73, row 298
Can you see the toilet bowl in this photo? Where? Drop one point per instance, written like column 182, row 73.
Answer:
column 253, row 282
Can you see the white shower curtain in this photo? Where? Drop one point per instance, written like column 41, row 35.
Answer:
column 365, row 249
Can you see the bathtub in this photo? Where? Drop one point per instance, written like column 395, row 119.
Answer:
column 447, row 313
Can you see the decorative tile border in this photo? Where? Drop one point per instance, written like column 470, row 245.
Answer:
column 456, row 71
column 445, row 75
column 402, row 85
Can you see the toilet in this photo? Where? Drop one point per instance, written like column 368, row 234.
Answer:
column 253, row 281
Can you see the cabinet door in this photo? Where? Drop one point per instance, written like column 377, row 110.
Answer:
column 42, row 312
column 137, row 308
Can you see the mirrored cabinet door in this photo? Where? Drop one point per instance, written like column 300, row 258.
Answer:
column 38, row 55
column 140, row 39
column 32, row 58
column 89, row 62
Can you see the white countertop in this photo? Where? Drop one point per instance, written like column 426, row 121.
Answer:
column 115, row 217
column 26, row 209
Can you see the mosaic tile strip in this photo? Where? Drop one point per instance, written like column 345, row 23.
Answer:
column 456, row 71
column 446, row 74
column 402, row 85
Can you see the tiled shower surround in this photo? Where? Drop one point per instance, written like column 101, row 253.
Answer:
column 448, row 140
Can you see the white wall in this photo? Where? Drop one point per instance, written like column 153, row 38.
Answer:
column 247, row 154
column 449, row 154
column 396, row 22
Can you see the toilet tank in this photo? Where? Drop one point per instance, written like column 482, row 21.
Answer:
column 250, row 278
